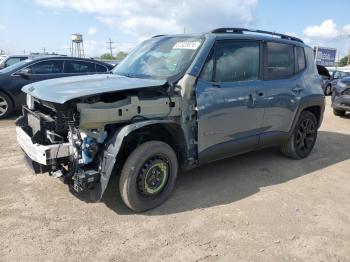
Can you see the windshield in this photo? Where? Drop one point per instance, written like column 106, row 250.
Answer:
column 15, row 66
column 160, row 57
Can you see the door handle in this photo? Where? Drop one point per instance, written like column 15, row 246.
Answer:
column 251, row 100
column 216, row 85
column 297, row 89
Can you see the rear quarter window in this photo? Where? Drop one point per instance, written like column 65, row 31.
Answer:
column 301, row 62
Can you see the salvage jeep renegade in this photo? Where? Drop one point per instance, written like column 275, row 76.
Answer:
column 174, row 102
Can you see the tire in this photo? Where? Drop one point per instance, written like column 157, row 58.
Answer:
column 328, row 90
column 148, row 176
column 6, row 105
column 303, row 138
column 338, row 112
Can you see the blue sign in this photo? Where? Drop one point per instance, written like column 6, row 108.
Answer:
column 325, row 56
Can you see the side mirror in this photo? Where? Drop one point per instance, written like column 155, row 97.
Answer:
column 25, row 72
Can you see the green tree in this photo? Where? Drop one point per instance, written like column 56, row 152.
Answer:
column 120, row 56
column 107, row 56
column 343, row 61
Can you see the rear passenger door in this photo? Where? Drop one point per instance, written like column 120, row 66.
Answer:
column 284, row 84
column 229, row 100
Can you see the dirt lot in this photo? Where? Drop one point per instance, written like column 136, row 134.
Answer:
column 256, row 207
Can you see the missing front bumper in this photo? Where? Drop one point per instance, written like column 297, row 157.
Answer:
column 42, row 154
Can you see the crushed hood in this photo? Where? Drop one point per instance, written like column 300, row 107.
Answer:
column 61, row 90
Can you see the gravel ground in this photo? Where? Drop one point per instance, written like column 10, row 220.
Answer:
column 259, row 206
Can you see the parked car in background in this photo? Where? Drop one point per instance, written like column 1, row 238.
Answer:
column 334, row 77
column 14, row 77
column 176, row 101
column 341, row 97
column 325, row 76
column 8, row 60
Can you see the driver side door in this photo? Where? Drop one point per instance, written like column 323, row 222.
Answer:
column 39, row 71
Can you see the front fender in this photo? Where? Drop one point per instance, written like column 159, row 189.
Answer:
column 108, row 157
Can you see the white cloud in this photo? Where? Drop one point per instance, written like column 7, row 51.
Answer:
column 346, row 30
column 327, row 30
column 144, row 18
column 92, row 31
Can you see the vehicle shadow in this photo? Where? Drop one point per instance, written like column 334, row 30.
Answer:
column 235, row 178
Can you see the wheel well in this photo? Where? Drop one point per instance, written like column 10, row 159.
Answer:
column 316, row 110
column 168, row 133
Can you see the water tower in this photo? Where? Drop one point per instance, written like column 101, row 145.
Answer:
column 77, row 45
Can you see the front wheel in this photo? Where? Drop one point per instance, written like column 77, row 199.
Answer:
column 303, row 138
column 148, row 176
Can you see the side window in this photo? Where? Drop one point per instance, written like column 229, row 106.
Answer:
column 78, row 67
column 301, row 63
column 279, row 61
column 237, row 61
column 207, row 71
column 12, row 61
column 100, row 68
column 47, row 67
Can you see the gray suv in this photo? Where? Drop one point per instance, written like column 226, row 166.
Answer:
column 175, row 102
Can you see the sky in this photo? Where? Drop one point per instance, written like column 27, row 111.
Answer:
column 32, row 25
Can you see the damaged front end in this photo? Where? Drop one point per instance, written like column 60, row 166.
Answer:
column 79, row 140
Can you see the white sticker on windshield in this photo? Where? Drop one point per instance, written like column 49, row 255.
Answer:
column 187, row 45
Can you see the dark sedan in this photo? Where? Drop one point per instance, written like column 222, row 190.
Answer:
column 14, row 77
column 341, row 97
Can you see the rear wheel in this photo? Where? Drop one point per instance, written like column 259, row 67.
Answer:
column 6, row 106
column 303, row 138
column 338, row 112
column 328, row 90
column 148, row 176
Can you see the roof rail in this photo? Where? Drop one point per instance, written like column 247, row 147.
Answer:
column 157, row 36
column 229, row 30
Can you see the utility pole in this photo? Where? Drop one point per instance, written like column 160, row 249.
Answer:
column 348, row 63
column 110, row 47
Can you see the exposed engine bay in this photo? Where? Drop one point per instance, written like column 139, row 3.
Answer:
column 72, row 140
